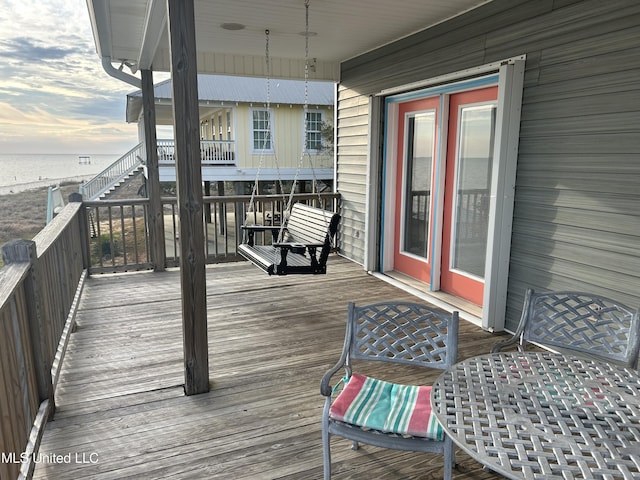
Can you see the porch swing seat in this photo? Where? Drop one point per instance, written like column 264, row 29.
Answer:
column 305, row 245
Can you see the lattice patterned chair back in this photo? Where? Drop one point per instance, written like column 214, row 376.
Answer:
column 401, row 333
column 396, row 332
column 579, row 322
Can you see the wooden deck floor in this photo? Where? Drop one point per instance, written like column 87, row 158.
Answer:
column 121, row 406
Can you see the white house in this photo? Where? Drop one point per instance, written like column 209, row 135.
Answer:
column 250, row 124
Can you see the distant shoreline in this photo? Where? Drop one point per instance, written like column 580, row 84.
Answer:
column 44, row 183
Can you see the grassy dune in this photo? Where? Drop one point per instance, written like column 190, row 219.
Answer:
column 24, row 214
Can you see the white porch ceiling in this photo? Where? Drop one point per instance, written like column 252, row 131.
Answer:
column 135, row 32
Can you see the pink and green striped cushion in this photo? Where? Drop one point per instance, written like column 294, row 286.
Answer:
column 388, row 407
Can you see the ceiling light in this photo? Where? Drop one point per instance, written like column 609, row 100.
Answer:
column 232, row 26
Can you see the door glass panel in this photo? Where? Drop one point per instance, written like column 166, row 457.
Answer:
column 473, row 180
column 420, row 130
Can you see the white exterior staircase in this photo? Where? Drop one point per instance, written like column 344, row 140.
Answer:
column 115, row 175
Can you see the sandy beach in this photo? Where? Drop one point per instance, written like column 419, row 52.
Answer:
column 42, row 184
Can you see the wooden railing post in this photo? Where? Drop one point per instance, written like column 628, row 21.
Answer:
column 83, row 224
column 24, row 251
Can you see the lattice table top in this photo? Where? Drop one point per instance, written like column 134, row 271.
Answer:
column 542, row 415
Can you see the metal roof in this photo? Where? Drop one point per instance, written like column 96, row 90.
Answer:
column 224, row 89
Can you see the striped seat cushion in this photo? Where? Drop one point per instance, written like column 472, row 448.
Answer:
column 388, row 407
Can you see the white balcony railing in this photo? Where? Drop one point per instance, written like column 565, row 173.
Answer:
column 212, row 152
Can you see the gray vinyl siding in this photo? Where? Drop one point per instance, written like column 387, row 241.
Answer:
column 577, row 201
column 352, row 149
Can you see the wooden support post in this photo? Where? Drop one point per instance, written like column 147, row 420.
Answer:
column 189, row 185
column 155, row 218
column 24, row 251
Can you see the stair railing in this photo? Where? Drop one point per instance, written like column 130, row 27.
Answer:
column 115, row 172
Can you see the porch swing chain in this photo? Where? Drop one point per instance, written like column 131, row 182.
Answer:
column 275, row 154
column 267, row 137
column 304, row 121
column 306, row 104
column 254, row 190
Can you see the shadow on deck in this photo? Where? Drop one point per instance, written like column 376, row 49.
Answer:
column 122, row 412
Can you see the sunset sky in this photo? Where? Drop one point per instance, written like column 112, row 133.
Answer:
column 54, row 95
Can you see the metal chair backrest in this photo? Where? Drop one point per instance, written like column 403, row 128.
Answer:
column 402, row 332
column 581, row 322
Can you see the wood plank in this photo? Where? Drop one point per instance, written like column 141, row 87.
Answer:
column 12, row 410
column 121, row 397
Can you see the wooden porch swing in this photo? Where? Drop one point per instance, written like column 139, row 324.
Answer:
column 303, row 241
column 302, row 246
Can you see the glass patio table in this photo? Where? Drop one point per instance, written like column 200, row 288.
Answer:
column 539, row 415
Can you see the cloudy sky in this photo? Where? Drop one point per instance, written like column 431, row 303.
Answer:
column 54, row 95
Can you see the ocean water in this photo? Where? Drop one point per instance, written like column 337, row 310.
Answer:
column 19, row 172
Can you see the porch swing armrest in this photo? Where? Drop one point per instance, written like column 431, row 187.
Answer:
column 297, row 245
column 252, row 229
column 260, row 228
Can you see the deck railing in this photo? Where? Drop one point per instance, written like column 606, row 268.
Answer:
column 212, row 152
column 114, row 173
column 119, row 238
column 40, row 285
column 42, row 280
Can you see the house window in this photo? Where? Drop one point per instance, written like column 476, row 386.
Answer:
column 261, row 130
column 313, row 129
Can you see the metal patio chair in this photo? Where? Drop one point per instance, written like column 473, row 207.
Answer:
column 578, row 322
column 381, row 413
